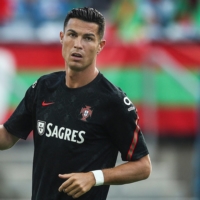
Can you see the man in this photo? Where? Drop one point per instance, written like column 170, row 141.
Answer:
column 80, row 122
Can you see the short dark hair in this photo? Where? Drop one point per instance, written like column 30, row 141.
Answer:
column 88, row 15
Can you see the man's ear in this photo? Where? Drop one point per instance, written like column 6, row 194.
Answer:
column 61, row 37
column 101, row 46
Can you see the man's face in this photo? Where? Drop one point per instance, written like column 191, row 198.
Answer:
column 80, row 44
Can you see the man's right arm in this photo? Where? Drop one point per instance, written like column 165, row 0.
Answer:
column 7, row 140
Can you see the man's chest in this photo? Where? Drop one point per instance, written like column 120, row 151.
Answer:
column 74, row 117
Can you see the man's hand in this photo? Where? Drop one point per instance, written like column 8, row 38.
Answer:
column 77, row 184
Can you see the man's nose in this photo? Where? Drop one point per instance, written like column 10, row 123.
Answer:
column 77, row 43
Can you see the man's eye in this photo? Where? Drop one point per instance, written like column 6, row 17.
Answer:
column 88, row 38
column 72, row 35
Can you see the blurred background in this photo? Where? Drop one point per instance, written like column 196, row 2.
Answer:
column 152, row 53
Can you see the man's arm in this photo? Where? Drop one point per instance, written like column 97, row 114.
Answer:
column 79, row 183
column 128, row 172
column 7, row 140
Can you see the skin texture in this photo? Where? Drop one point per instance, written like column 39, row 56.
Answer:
column 7, row 140
column 81, row 38
column 78, row 184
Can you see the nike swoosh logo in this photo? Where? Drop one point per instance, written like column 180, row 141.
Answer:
column 46, row 104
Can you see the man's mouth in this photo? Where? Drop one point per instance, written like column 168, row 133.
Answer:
column 77, row 55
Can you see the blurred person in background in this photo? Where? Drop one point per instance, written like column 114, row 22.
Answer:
column 128, row 20
column 142, row 20
column 186, row 21
column 47, row 11
column 103, row 6
column 80, row 121
column 157, row 15
column 6, row 11
column 147, row 20
column 7, row 72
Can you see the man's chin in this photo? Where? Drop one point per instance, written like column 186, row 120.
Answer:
column 76, row 67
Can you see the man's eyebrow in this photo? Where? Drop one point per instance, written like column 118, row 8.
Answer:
column 89, row 34
column 86, row 34
column 71, row 30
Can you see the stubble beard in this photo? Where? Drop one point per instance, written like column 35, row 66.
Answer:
column 78, row 67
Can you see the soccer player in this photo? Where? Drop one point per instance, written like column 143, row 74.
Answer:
column 80, row 122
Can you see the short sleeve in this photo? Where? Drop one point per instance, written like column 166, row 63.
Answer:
column 20, row 122
column 123, row 129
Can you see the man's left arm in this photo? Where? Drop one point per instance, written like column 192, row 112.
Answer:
column 129, row 172
column 78, row 184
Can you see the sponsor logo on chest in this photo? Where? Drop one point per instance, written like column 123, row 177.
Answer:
column 41, row 125
column 62, row 133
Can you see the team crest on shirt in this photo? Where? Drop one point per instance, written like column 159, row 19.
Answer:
column 86, row 112
column 41, row 125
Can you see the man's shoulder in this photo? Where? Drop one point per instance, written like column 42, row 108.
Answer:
column 54, row 76
column 51, row 80
column 110, row 89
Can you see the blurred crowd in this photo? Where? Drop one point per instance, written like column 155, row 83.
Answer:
column 38, row 12
column 127, row 20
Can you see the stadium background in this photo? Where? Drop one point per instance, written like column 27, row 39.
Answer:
column 152, row 53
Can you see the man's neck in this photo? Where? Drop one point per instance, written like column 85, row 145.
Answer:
column 76, row 79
